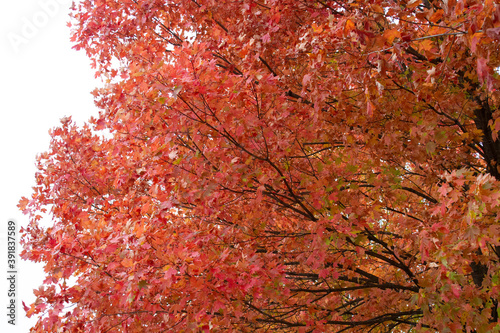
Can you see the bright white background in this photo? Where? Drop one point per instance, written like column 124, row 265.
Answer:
column 41, row 80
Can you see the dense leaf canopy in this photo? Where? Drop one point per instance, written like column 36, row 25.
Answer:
column 276, row 166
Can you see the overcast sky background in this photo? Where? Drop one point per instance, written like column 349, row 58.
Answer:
column 42, row 80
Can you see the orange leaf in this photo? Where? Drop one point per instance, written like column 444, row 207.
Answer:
column 127, row 262
column 391, row 34
column 349, row 26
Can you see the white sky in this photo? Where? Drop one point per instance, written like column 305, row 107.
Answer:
column 42, row 80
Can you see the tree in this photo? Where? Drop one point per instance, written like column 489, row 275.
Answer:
column 276, row 165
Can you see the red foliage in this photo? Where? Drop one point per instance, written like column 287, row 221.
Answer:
column 291, row 165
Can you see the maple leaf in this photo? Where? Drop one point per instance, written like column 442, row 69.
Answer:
column 23, row 202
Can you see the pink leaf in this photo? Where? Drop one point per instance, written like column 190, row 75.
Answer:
column 266, row 38
column 306, row 79
column 482, row 69
column 455, row 289
column 370, row 108
column 493, row 33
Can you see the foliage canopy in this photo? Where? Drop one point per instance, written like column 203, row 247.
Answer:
column 276, row 165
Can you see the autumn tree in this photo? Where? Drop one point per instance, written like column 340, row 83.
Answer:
column 276, row 166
